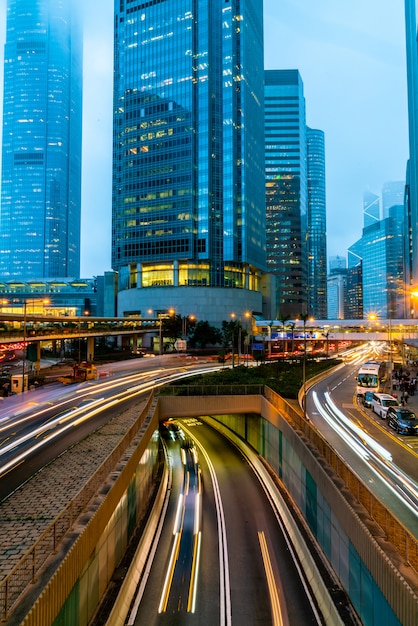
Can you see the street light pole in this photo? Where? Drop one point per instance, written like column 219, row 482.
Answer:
column 161, row 335
column 304, row 317
column 24, row 345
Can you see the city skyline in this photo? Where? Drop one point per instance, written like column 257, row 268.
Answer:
column 354, row 71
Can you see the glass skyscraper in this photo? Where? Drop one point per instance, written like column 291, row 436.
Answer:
column 411, row 196
column 41, row 157
column 188, row 156
column 286, row 189
column 317, row 224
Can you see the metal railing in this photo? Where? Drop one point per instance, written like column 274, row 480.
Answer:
column 212, row 390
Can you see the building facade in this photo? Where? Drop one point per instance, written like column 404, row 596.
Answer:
column 286, row 189
column 411, row 197
column 188, row 208
column 317, row 225
column 41, row 154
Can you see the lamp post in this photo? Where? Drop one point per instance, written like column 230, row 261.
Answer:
column 304, row 317
column 24, row 344
column 232, row 337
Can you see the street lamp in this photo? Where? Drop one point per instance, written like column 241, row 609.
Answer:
column 304, row 317
column 232, row 337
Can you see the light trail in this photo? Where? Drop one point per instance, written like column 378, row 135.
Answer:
column 378, row 459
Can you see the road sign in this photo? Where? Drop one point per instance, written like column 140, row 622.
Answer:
column 180, row 345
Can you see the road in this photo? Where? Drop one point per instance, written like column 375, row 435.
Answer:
column 246, row 573
column 38, row 426
column 385, row 461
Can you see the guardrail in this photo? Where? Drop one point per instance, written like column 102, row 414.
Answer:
column 27, row 569
column 212, row 390
column 400, row 537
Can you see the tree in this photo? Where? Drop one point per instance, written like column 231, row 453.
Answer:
column 204, row 334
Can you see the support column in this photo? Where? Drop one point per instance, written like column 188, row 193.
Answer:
column 37, row 363
column 90, row 348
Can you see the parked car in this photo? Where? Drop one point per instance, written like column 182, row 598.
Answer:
column 403, row 420
column 381, row 402
column 367, row 399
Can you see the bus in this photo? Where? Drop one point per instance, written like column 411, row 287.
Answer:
column 371, row 377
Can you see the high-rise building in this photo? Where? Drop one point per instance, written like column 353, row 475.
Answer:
column 380, row 253
column 286, row 189
column 317, row 225
column 41, row 155
column 188, row 207
column 371, row 208
column 411, row 196
column 393, row 194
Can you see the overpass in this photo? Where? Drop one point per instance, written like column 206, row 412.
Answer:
column 269, row 335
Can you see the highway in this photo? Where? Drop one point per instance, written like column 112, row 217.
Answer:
column 38, row 426
column 223, row 556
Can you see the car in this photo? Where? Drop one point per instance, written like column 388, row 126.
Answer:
column 403, row 420
column 381, row 402
column 367, row 399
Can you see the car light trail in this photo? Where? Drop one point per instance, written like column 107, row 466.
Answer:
column 274, row 596
column 378, row 459
column 225, row 587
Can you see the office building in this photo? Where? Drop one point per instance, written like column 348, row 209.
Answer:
column 393, row 194
column 371, row 208
column 379, row 252
column 353, row 300
column 188, row 206
column 317, row 225
column 411, row 196
column 41, row 154
column 336, row 287
column 286, row 189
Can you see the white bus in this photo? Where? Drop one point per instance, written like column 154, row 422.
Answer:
column 371, row 377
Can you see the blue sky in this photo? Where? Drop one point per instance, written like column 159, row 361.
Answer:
column 351, row 57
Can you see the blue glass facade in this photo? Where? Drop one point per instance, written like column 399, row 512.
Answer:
column 286, row 188
column 41, row 158
column 188, row 156
column 411, row 204
column 317, row 225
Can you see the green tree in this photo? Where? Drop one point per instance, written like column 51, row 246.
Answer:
column 203, row 334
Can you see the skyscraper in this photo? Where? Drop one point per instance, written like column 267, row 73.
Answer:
column 393, row 194
column 188, row 157
column 286, row 188
column 371, row 208
column 411, row 197
column 317, row 225
column 41, row 156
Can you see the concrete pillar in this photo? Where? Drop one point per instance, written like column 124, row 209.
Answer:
column 37, row 363
column 90, row 348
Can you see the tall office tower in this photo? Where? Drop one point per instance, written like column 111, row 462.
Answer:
column 286, row 189
column 371, row 208
column 317, row 225
column 393, row 194
column 380, row 251
column 411, row 196
column 41, row 156
column 188, row 157
column 353, row 301
column 336, row 288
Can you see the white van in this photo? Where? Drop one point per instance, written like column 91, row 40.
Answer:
column 381, row 402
